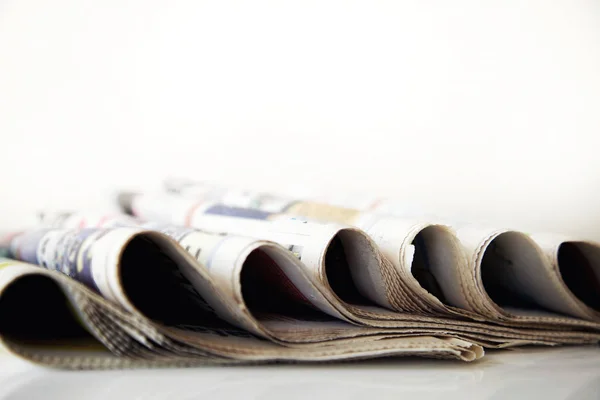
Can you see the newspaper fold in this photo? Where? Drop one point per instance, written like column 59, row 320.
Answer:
column 130, row 267
column 394, row 287
column 231, row 261
column 521, row 272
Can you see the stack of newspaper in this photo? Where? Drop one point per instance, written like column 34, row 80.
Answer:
column 198, row 273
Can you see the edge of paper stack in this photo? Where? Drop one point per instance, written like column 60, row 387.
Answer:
column 200, row 274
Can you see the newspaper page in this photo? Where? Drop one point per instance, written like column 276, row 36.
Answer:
column 231, row 261
column 182, row 315
column 447, row 282
column 283, row 231
column 360, row 314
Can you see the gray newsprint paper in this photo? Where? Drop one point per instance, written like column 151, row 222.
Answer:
column 129, row 296
column 444, row 271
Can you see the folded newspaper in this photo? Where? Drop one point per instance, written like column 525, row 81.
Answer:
column 128, row 296
column 202, row 274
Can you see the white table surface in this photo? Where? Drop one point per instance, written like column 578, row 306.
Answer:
column 559, row 373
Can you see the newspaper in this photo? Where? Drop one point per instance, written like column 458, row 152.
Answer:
column 567, row 281
column 192, row 321
column 362, row 201
column 505, row 272
column 204, row 274
column 572, row 264
column 229, row 263
column 534, row 279
column 381, row 284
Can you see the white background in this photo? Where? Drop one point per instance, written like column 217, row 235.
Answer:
column 484, row 110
